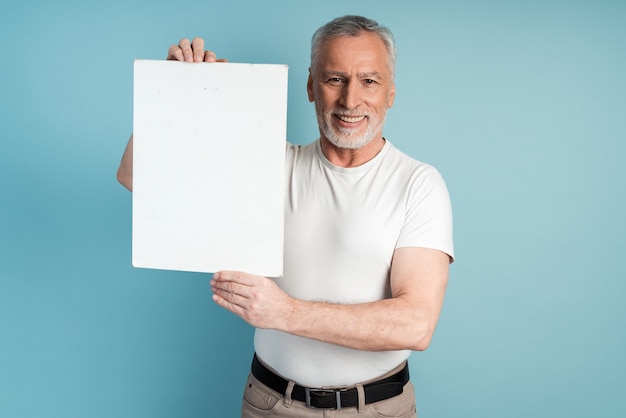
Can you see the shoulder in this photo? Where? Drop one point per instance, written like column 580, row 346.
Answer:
column 297, row 151
column 294, row 147
column 414, row 171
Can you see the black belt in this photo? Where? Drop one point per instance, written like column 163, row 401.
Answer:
column 333, row 398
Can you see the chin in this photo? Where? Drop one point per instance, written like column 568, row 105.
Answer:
column 349, row 144
column 347, row 141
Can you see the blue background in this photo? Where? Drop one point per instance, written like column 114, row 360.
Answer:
column 521, row 105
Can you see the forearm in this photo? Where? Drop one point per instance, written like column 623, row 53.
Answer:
column 405, row 321
column 390, row 324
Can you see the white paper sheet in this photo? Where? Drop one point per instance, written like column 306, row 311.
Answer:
column 208, row 157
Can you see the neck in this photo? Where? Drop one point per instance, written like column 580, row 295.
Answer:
column 345, row 157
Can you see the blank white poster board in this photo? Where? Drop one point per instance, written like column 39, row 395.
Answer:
column 208, row 166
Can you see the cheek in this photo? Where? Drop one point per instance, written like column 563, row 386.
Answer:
column 326, row 95
column 384, row 102
column 324, row 101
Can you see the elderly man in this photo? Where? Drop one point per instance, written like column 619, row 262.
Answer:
column 368, row 243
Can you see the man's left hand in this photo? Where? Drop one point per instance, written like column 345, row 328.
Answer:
column 256, row 299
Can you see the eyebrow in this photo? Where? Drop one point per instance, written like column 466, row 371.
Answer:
column 370, row 74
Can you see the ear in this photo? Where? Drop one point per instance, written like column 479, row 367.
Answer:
column 309, row 87
column 392, row 95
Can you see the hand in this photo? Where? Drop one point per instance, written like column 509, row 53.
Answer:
column 256, row 299
column 192, row 52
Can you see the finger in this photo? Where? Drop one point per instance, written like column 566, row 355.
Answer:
column 175, row 53
column 230, row 297
column 230, row 301
column 209, row 56
column 197, row 46
column 222, row 284
column 237, row 283
column 185, row 46
column 227, row 287
column 236, row 277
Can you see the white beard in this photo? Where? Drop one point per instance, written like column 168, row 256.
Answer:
column 348, row 138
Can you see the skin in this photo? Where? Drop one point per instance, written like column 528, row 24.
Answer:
column 352, row 76
column 405, row 321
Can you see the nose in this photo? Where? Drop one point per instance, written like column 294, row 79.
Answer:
column 350, row 96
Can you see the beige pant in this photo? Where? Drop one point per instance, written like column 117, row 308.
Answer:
column 261, row 401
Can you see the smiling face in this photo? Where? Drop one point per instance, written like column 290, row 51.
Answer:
column 352, row 87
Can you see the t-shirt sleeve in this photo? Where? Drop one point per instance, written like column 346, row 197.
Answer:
column 428, row 221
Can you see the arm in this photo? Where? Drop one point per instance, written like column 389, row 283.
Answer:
column 125, row 170
column 419, row 278
column 189, row 51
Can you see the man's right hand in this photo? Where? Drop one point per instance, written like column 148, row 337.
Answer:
column 185, row 51
column 192, row 52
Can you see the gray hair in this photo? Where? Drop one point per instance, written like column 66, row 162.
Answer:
column 353, row 26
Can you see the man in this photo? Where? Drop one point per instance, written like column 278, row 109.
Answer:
column 368, row 243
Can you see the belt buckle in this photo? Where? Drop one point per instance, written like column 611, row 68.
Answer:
column 307, row 396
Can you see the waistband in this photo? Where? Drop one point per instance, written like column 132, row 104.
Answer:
column 333, row 398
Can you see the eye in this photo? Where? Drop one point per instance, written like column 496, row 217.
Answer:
column 369, row 81
column 334, row 81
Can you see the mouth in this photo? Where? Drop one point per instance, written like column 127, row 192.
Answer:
column 350, row 118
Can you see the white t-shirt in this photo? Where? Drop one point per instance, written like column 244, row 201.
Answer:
column 342, row 226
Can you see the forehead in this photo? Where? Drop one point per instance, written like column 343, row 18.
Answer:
column 365, row 52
